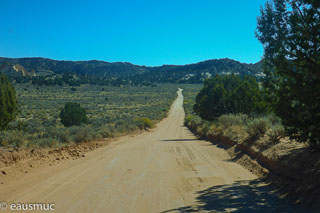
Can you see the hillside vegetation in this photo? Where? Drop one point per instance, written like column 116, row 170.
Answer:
column 124, row 73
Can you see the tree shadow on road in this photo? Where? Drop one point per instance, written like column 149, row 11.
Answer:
column 241, row 196
column 176, row 140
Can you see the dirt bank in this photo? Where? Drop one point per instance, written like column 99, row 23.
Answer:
column 292, row 168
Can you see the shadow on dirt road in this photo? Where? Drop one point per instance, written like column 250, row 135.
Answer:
column 241, row 196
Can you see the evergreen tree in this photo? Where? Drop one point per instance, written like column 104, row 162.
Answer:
column 72, row 114
column 8, row 103
column 247, row 97
column 290, row 33
column 229, row 94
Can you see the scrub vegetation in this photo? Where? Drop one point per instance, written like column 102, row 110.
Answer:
column 51, row 116
column 236, row 126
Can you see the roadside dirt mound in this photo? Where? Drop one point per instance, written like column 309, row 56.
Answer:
column 16, row 162
column 291, row 167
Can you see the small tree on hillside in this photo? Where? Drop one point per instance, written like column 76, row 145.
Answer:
column 8, row 103
column 72, row 114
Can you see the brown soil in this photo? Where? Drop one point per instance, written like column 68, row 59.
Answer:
column 16, row 163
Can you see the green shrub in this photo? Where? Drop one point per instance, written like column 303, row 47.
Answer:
column 189, row 119
column 258, row 127
column 80, row 134
column 72, row 114
column 13, row 139
column 236, row 133
column 216, row 130
column 275, row 120
column 144, row 123
column 58, row 134
column 47, row 142
column 107, row 131
column 17, row 125
column 276, row 133
column 232, row 120
column 204, row 129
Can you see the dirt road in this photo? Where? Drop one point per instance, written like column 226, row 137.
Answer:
column 164, row 170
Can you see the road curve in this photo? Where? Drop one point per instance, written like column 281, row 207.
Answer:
column 164, row 170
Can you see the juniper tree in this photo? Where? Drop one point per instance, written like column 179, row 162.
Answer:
column 73, row 114
column 290, row 33
column 229, row 94
column 8, row 103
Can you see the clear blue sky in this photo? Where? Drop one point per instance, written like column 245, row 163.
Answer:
column 144, row 32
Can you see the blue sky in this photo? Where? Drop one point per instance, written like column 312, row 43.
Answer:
column 144, row 32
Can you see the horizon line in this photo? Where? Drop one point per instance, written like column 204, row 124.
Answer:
column 29, row 57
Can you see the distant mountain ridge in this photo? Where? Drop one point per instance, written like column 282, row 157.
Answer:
column 190, row 73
